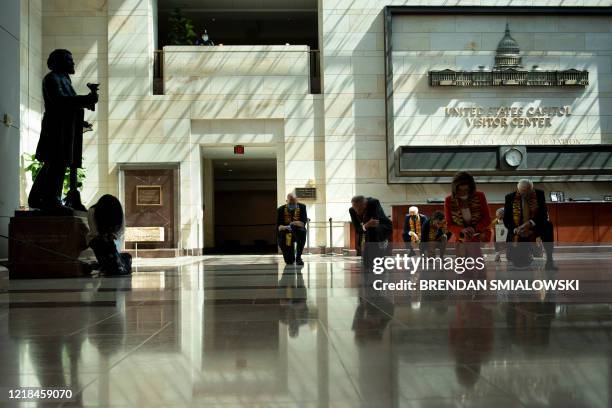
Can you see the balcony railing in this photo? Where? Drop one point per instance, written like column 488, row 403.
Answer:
column 315, row 71
column 230, row 69
column 158, row 72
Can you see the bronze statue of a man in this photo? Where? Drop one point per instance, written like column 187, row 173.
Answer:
column 61, row 136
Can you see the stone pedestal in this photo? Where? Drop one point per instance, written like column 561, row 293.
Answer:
column 43, row 246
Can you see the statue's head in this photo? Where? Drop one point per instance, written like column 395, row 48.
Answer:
column 61, row 61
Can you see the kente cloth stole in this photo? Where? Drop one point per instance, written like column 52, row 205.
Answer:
column 517, row 210
column 289, row 218
column 473, row 205
column 434, row 231
column 416, row 227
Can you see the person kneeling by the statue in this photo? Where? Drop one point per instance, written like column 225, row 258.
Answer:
column 105, row 237
column 291, row 224
column 526, row 217
column 413, row 226
column 61, row 135
column 434, row 235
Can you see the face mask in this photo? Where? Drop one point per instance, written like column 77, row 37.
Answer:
column 465, row 197
column 292, row 206
column 205, row 37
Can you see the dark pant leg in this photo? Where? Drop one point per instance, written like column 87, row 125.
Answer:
column 110, row 261
column 442, row 247
column 358, row 239
column 56, row 182
column 47, row 188
column 288, row 252
column 126, row 261
column 370, row 251
column 426, row 248
column 38, row 188
column 547, row 234
column 299, row 236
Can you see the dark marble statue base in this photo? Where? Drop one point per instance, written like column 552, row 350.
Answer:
column 48, row 246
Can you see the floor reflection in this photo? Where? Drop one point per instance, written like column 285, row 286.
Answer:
column 294, row 295
column 250, row 331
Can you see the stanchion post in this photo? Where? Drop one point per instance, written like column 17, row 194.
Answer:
column 308, row 237
column 136, row 254
column 331, row 237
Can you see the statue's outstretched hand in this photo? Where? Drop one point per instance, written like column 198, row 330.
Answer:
column 92, row 96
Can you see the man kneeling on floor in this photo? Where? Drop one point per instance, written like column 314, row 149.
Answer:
column 291, row 224
column 526, row 218
column 435, row 235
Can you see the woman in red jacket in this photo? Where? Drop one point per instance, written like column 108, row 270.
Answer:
column 467, row 213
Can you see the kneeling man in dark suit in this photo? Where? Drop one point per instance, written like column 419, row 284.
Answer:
column 376, row 226
column 526, row 217
column 291, row 225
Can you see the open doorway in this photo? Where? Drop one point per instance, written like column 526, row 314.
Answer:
column 245, row 199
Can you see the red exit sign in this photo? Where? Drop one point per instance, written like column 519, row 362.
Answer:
column 239, row 149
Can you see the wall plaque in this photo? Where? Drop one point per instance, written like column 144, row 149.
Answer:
column 306, row 193
column 149, row 195
column 144, row 234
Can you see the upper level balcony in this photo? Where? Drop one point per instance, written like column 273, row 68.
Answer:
column 266, row 47
column 237, row 69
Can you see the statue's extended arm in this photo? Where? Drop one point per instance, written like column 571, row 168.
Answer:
column 57, row 96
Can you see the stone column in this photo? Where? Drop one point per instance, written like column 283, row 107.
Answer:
column 9, row 105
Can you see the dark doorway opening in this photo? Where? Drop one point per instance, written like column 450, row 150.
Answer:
column 245, row 206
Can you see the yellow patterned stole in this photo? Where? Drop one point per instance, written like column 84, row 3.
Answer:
column 517, row 211
column 434, row 231
column 288, row 219
column 475, row 210
column 416, row 227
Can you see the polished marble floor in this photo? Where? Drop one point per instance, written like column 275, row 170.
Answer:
column 249, row 331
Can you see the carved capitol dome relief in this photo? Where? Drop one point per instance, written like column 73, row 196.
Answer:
column 508, row 52
column 508, row 70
